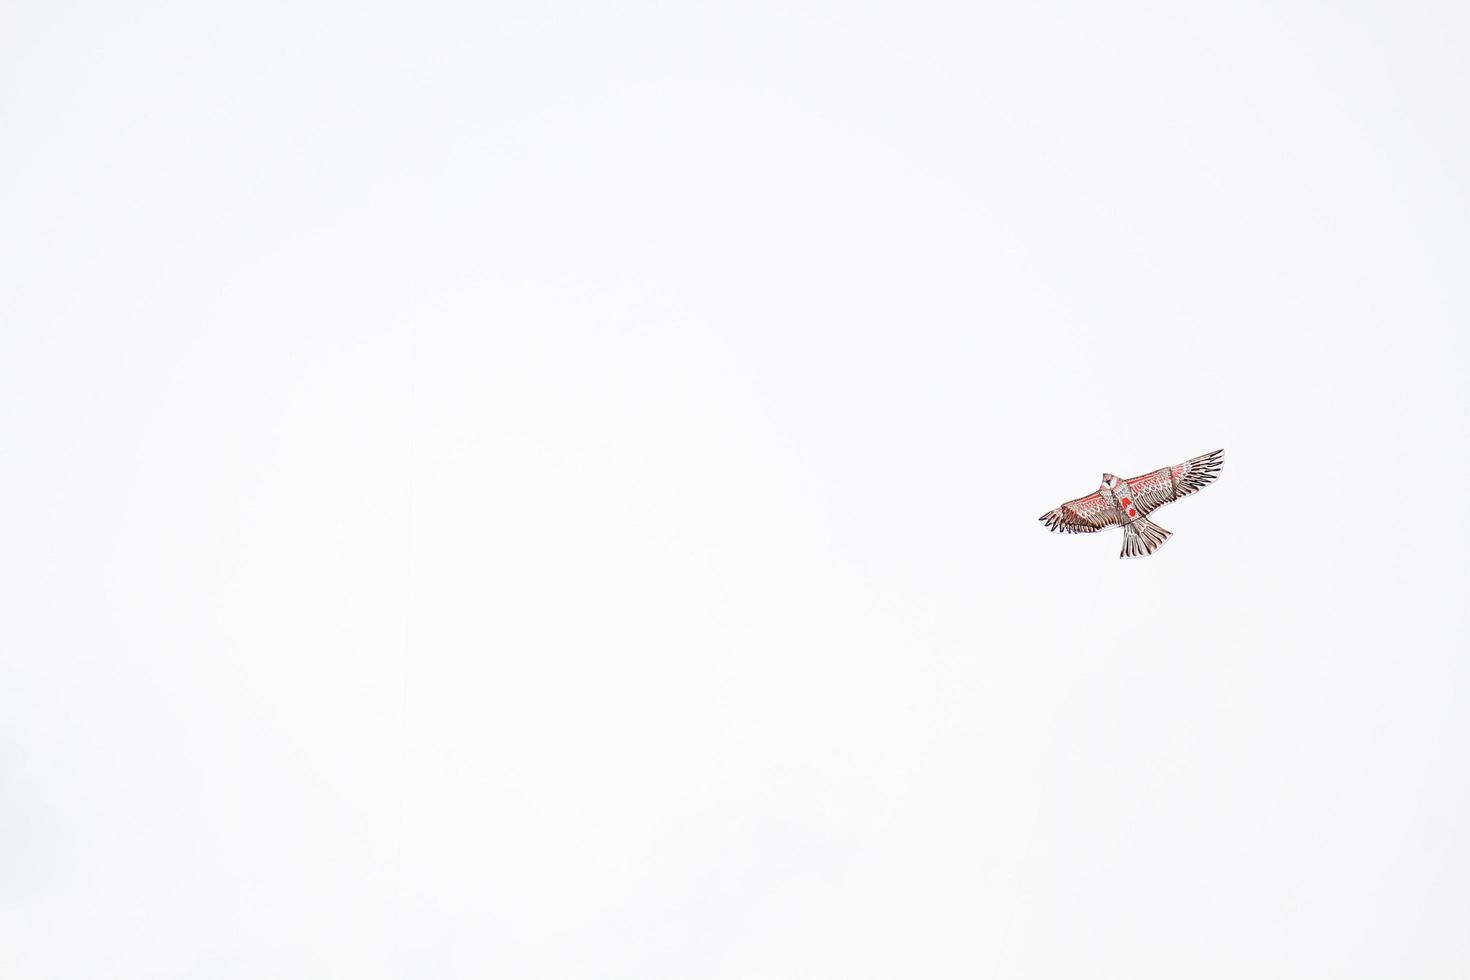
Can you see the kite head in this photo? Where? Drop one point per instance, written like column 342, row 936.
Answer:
column 1109, row 482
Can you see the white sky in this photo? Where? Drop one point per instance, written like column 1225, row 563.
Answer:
column 550, row 490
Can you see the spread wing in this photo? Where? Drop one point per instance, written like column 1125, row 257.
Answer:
column 1081, row 516
column 1153, row 490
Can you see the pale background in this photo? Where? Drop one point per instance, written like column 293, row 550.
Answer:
column 549, row 490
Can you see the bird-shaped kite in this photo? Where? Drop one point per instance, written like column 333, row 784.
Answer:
column 1129, row 502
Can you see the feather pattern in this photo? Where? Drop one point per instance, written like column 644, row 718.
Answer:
column 1163, row 486
column 1081, row 516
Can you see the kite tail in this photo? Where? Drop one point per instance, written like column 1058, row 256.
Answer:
column 1143, row 537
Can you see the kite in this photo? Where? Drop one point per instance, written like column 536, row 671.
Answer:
column 1127, row 503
